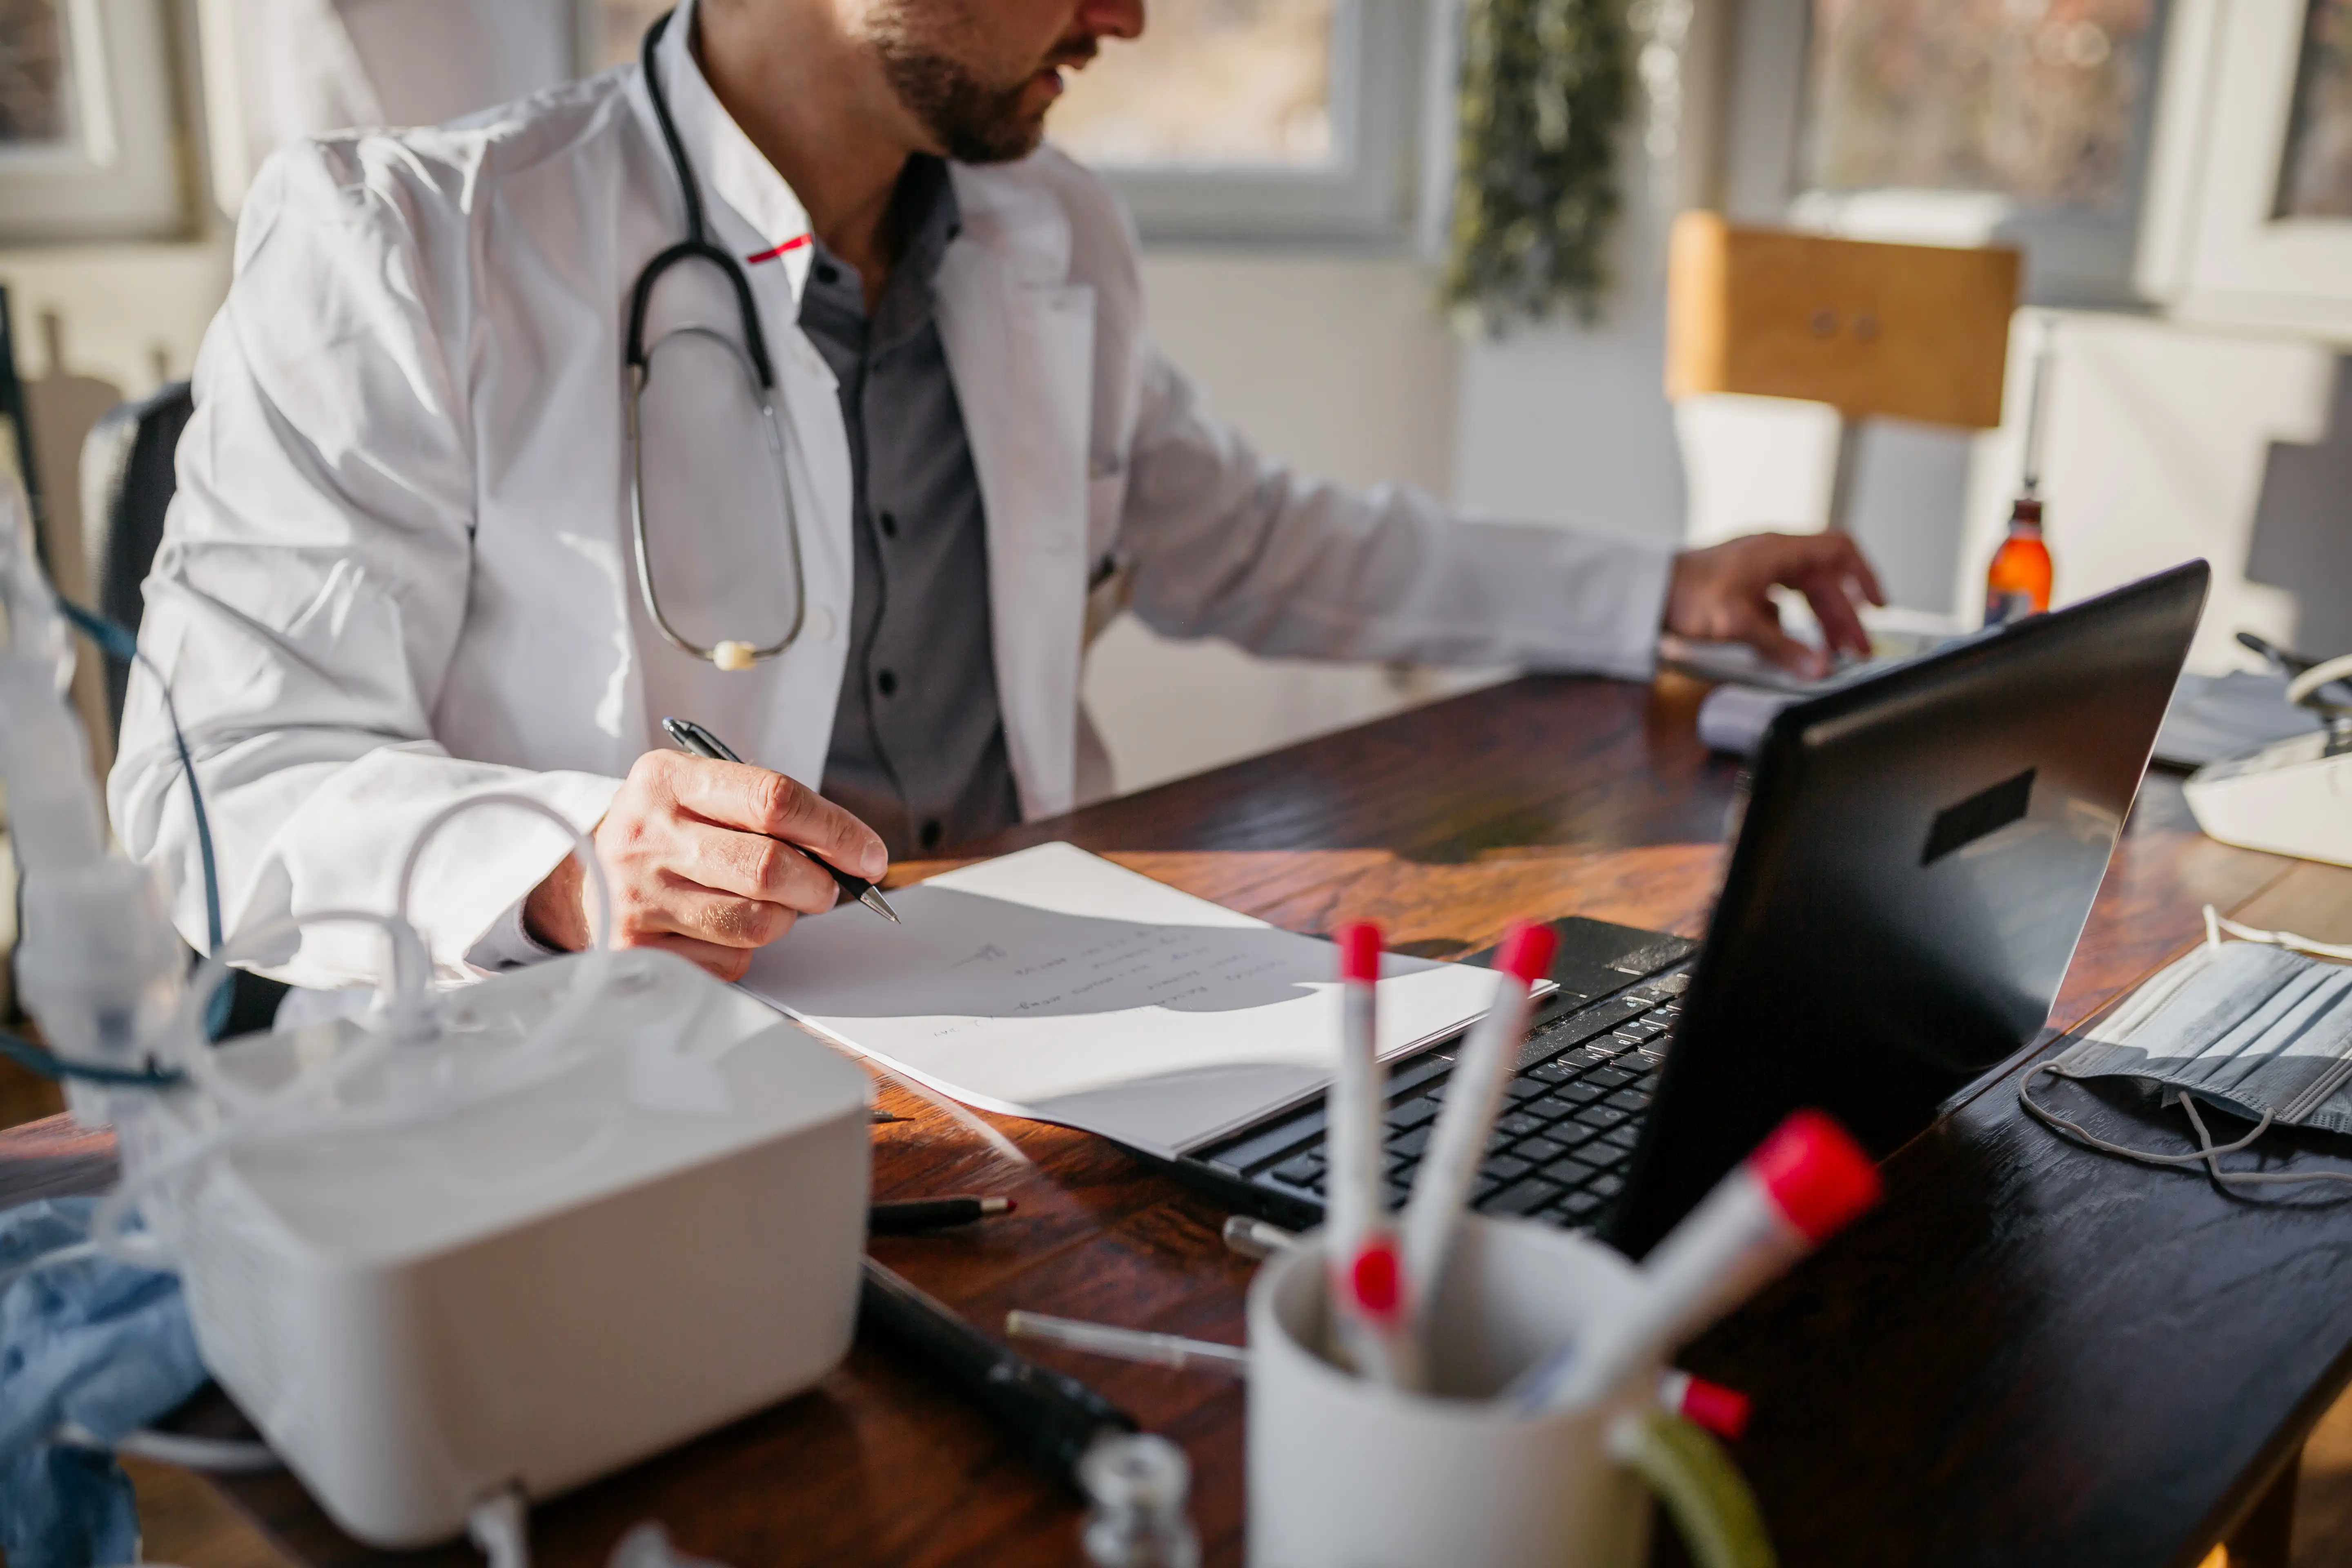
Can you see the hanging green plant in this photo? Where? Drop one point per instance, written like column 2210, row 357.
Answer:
column 1545, row 88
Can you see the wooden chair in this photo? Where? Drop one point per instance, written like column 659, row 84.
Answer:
column 1896, row 332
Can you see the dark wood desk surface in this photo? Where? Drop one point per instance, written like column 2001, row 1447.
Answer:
column 2031, row 1354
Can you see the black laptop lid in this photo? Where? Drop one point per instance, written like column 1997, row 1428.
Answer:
column 1918, row 857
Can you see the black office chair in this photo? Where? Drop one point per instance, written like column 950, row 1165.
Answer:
column 128, row 477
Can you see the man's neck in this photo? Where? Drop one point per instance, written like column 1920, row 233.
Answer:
column 818, row 106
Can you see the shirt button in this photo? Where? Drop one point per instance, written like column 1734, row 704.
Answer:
column 826, row 273
column 886, row 683
column 819, row 625
column 931, row 831
column 889, row 523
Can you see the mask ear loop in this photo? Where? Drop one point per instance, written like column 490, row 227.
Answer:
column 2208, row 1153
column 2216, row 923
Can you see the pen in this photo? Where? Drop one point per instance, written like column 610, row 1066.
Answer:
column 1720, row 1410
column 1473, row 1096
column 1360, row 1250
column 1254, row 1237
column 930, row 1213
column 693, row 738
column 2287, row 663
column 1128, row 1344
column 1055, row 1419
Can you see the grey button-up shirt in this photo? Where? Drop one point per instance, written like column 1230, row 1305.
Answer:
column 918, row 740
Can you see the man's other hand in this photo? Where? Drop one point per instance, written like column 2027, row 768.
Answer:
column 702, row 859
column 1722, row 594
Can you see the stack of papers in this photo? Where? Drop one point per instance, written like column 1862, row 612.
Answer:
column 1053, row 985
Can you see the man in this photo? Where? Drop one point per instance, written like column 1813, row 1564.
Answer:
column 403, row 567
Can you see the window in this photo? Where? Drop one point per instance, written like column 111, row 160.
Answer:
column 1257, row 120
column 1243, row 84
column 2038, row 102
column 86, row 127
column 2252, row 220
column 2316, row 178
column 35, row 109
column 1228, row 119
column 1957, row 121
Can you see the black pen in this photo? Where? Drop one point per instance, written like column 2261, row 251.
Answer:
column 2287, row 663
column 911, row 1214
column 693, row 738
column 1055, row 1419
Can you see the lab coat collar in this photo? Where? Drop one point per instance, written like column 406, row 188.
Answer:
column 729, row 166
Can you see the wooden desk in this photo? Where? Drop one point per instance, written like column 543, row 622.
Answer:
column 2031, row 1354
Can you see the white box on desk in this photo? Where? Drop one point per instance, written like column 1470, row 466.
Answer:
column 547, row 1287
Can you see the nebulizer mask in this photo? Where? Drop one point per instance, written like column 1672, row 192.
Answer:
column 471, row 1246
column 2259, row 1027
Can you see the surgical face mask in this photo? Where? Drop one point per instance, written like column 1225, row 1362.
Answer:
column 2248, row 1027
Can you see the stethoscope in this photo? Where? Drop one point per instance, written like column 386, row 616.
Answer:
column 759, row 373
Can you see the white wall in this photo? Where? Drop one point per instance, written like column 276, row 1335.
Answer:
column 2159, row 439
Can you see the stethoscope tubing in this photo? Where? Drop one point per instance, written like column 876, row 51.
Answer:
column 760, row 372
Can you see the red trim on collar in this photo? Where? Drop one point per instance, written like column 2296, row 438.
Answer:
column 793, row 244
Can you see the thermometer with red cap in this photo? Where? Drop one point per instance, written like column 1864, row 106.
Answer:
column 1366, row 1287
column 1801, row 1186
column 1473, row 1097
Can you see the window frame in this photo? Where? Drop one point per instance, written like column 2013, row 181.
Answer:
column 2072, row 258
column 119, row 177
column 2217, row 250
column 1368, row 196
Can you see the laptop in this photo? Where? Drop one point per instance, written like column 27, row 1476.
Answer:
column 1916, row 854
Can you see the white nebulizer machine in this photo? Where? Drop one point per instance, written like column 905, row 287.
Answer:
column 2292, row 796
column 504, row 1238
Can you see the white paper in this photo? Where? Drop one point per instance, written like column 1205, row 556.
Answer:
column 1051, row 983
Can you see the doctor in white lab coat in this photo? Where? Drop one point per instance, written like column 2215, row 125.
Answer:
column 399, row 568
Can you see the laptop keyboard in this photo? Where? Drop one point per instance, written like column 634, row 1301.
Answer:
column 1570, row 1117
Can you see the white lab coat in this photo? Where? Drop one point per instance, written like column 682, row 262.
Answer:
column 398, row 569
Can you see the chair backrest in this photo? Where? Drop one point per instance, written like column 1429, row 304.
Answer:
column 127, row 480
column 1904, row 331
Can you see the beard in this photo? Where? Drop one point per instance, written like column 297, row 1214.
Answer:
column 975, row 120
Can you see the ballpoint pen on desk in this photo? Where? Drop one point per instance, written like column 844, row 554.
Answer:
column 2294, row 665
column 906, row 1216
column 2287, row 663
column 1127, row 1344
column 1056, row 1418
column 693, row 738
column 1254, row 1237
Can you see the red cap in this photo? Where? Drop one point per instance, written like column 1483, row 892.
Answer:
column 1816, row 1173
column 1359, row 951
column 1375, row 1278
column 1527, row 951
column 1722, row 1410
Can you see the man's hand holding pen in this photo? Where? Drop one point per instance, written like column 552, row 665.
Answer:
column 705, row 859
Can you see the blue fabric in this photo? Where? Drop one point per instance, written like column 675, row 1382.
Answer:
column 102, row 1345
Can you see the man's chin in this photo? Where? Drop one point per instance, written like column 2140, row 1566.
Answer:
column 1007, row 141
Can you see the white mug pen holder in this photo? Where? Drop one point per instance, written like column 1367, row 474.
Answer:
column 1347, row 1473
